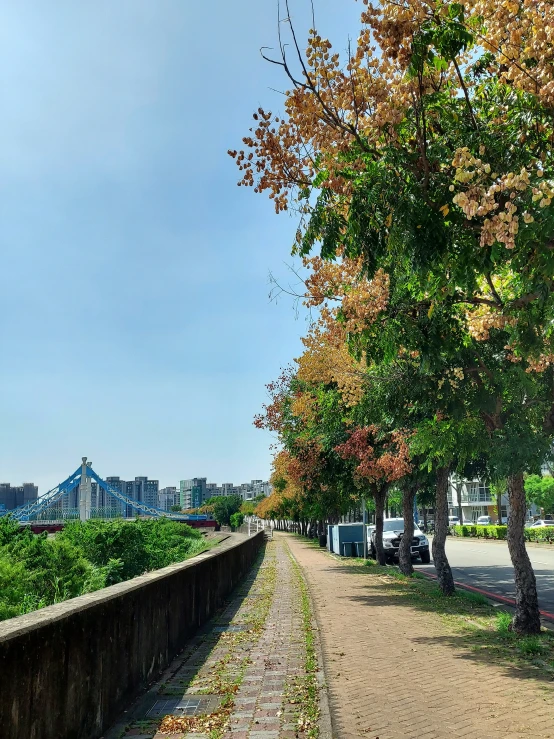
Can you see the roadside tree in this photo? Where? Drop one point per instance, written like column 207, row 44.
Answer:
column 422, row 167
column 540, row 491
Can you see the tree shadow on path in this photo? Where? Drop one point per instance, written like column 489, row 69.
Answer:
column 468, row 622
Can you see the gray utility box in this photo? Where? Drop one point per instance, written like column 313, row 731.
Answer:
column 345, row 533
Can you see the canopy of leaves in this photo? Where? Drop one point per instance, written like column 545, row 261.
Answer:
column 223, row 507
column 422, row 166
column 540, row 491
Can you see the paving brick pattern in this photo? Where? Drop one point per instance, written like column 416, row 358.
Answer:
column 277, row 654
column 447, row 691
column 262, row 709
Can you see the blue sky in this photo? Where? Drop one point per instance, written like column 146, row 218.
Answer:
column 135, row 324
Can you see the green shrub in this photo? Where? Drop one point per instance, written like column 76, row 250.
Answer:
column 542, row 533
column 237, row 519
column 39, row 570
column 482, row 532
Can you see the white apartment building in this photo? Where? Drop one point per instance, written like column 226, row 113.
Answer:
column 477, row 500
column 168, row 497
column 192, row 493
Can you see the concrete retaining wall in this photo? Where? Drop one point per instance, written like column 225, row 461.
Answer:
column 69, row 670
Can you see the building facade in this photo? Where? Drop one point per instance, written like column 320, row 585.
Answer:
column 168, row 497
column 194, row 493
column 478, row 500
column 13, row 496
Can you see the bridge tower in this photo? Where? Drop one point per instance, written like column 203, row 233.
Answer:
column 85, row 497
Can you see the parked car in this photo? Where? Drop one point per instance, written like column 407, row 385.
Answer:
column 455, row 521
column 540, row 522
column 484, row 521
column 393, row 529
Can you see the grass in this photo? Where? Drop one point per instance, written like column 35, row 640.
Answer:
column 303, row 690
column 480, row 629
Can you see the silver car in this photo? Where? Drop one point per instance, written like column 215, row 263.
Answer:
column 540, row 522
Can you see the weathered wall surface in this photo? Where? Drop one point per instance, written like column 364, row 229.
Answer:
column 68, row 671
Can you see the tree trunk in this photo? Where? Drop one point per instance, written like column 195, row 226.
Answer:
column 460, row 509
column 405, row 550
column 380, row 497
column 440, row 560
column 425, row 519
column 527, row 617
column 499, row 507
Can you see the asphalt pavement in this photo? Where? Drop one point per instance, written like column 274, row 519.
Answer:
column 487, row 565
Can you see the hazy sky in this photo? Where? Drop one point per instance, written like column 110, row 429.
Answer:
column 135, row 325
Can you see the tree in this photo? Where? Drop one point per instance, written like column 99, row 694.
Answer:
column 309, row 414
column 422, row 168
column 540, row 491
column 224, row 506
column 248, row 507
column 416, row 484
column 498, row 488
column 381, row 458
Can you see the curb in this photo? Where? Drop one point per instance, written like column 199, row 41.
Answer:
column 487, row 593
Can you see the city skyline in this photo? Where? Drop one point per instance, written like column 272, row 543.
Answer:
column 214, row 488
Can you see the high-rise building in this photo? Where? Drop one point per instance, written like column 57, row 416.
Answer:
column 109, row 501
column 140, row 489
column 193, row 493
column 168, row 497
column 14, row 496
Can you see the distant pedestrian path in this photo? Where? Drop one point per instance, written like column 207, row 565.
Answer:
column 444, row 690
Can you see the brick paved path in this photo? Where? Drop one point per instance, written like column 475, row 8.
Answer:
column 262, row 709
column 258, row 643
column 447, row 692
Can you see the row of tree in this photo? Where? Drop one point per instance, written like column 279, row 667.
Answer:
column 421, row 167
column 228, row 510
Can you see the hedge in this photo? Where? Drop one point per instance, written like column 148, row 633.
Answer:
column 542, row 533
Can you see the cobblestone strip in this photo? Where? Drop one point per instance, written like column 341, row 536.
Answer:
column 445, row 693
column 263, row 702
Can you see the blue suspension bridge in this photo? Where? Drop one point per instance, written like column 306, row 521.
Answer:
column 77, row 498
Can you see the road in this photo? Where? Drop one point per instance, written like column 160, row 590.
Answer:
column 487, row 565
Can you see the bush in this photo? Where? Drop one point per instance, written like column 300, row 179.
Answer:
column 38, row 570
column 224, row 506
column 237, row 519
column 543, row 533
